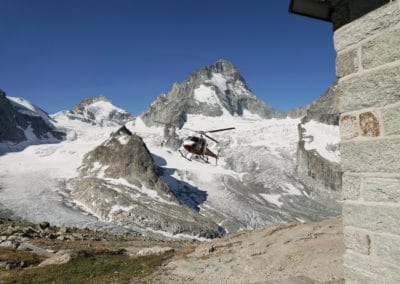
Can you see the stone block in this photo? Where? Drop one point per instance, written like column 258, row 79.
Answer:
column 351, row 187
column 357, row 241
column 382, row 189
column 362, row 269
column 381, row 50
column 367, row 26
column 387, row 248
column 347, row 63
column 391, row 121
column 371, row 156
column 372, row 89
column 348, row 127
column 376, row 218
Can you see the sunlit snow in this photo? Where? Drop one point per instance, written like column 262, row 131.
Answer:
column 324, row 139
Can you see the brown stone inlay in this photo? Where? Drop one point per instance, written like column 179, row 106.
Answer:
column 348, row 126
column 348, row 118
column 369, row 124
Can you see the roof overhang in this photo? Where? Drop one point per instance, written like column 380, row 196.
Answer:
column 318, row 9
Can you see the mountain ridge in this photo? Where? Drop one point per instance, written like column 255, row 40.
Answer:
column 23, row 123
column 98, row 110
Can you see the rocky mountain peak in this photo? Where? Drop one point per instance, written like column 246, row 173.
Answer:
column 88, row 101
column 223, row 67
column 213, row 90
column 124, row 155
column 22, row 124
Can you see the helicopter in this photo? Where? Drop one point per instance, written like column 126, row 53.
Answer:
column 197, row 145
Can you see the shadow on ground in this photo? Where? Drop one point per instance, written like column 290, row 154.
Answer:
column 190, row 195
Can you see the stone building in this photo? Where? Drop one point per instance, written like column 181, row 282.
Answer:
column 367, row 42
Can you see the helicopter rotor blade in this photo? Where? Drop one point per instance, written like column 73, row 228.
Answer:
column 218, row 130
column 167, row 124
column 209, row 137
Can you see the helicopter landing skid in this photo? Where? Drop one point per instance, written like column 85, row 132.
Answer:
column 185, row 156
column 205, row 159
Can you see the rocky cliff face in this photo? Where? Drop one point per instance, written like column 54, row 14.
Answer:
column 22, row 122
column 119, row 182
column 99, row 111
column 325, row 108
column 315, row 166
column 210, row 91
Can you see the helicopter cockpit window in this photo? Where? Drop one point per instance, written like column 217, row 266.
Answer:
column 194, row 139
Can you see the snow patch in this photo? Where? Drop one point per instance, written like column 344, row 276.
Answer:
column 219, row 81
column 207, row 95
column 324, row 139
column 123, row 139
column 273, row 198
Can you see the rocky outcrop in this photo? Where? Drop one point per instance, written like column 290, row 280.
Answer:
column 119, row 182
column 21, row 122
column 125, row 156
column 325, row 108
column 322, row 176
column 99, row 111
column 210, row 91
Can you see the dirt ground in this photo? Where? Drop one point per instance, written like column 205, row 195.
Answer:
column 281, row 254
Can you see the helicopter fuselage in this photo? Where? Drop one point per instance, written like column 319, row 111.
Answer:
column 198, row 146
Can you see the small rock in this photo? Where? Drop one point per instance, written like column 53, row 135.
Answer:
column 13, row 238
column 77, row 236
column 44, row 225
column 29, row 233
column 51, row 236
column 61, row 238
column 24, row 247
column 61, row 257
column 9, row 244
column 211, row 249
column 63, row 230
column 157, row 250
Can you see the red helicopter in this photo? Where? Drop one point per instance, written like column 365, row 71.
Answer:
column 197, row 146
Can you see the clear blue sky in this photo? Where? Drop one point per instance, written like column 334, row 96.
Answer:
column 58, row 52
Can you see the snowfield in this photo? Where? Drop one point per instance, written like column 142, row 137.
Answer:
column 252, row 185
column 32, row 182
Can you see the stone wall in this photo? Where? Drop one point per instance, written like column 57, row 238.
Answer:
column 368, row 67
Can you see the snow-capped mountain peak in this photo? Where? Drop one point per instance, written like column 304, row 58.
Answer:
column 215, row 90
column 22, row 124
column 98, row 111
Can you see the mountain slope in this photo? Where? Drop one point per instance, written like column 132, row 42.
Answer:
column 292, row 253
column 22, row 124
